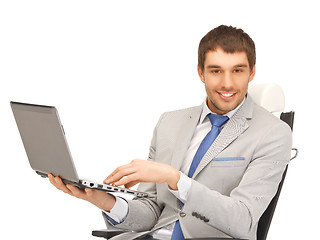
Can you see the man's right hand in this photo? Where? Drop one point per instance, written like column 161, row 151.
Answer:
column 98, row 198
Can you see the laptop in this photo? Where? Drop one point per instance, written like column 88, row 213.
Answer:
column 47, row 149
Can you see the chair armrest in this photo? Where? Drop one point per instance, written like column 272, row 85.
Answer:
column 108, row 233
column 213, row 239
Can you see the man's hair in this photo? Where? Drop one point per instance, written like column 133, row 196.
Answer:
column 231, row 40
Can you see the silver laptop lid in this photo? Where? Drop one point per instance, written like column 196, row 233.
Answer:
column 44, row 140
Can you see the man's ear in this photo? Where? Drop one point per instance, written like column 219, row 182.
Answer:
column 253, row 72
column 201, row 74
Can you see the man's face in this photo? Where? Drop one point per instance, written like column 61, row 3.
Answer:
column 226, row 77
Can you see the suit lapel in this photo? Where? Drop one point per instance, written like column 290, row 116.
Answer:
column 185, row 134
column 236, row 125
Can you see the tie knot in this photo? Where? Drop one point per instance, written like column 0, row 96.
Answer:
column 217, row 120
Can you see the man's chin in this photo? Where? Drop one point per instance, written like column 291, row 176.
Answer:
column 221, row 108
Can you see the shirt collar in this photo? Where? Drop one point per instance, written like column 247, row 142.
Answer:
column 206, row 110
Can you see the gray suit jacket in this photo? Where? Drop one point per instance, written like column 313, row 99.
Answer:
column 233, row 184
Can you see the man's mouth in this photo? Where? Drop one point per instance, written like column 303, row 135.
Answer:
column 227, row 95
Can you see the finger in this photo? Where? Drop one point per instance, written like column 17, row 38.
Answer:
column 107, row 180
column 128, row 180
column 117, row 170
column 89, row 192
column 118, row 176
column 124, row 171
column 60, row 185
column 113, row 173
column 51, row 179
column 121, row 168
column 76, row 192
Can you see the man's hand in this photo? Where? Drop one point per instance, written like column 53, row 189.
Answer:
column 144, row 171
column 98, row 198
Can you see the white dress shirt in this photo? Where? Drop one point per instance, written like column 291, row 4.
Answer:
column 120, row 209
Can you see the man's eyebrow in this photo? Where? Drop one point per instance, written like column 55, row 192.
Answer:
column 213, row 66
column 241, row 66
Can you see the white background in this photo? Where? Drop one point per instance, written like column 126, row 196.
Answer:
column 112, row 68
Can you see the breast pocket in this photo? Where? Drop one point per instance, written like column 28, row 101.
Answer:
column 228, row 162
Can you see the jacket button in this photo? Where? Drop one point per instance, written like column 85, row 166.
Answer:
column 182, row 214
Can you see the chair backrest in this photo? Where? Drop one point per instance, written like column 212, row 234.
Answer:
column 271, row 97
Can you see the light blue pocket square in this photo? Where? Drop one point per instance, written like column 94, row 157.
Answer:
column 229, row 159
column 228, row 162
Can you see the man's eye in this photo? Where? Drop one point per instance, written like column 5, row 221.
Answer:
column 216, row 71
column 237, row 70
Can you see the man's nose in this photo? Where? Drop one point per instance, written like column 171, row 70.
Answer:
column 227, row 81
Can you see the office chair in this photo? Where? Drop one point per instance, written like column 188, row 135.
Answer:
column 271, row 97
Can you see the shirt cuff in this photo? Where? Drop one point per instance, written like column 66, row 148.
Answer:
column 119, row 211
column 184, row 185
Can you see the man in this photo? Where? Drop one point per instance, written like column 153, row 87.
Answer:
column 212, row 169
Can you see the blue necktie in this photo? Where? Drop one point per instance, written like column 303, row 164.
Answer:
column 217, row 121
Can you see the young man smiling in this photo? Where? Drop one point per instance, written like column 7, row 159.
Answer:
column 226, row 77
column 212, row 169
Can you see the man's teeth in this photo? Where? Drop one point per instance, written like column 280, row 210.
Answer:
column 227, row 94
